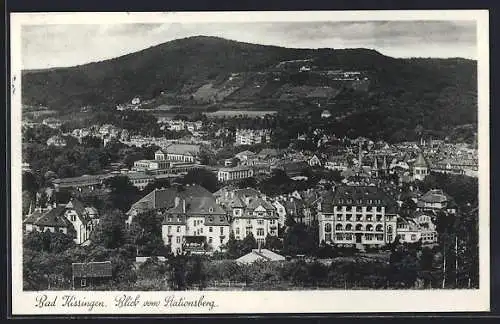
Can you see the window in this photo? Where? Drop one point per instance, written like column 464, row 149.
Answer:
column 339, row 237
column 210, row 229
column 260, row 232
column 413, row 237
column 169, row 229
column 210, row 240
column 369, row 218
column 221, row 230
column 348, row 237
column 328, row 227
column 328, row 237
column 389, row 237
column 348, row 208
column 338, row 208
column 249, row 221
column 379, row 218
column 211, row 210
column 369, row 208
column 379, row 209
column 339, row 217
column 338, row 227
column 379, row 237
column 83, row 282
column 359, row 227
column 348, row 227
column 369, row 236
column 236, row 221
column 379, row 228
column 260, row 222
column 359, row 217
column 369, row 228
column 237, row 231
column 178, row 239
column 348, row 217
column 273, row 221
column 178, row 229
column 403, row 236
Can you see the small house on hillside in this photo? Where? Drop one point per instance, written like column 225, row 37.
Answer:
column 91, row 274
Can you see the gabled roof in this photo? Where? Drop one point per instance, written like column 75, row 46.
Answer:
column 92, row 269
column 420, row 161
column 434, row 196
column 254, row 203
column 79, row 208
column 52, row 218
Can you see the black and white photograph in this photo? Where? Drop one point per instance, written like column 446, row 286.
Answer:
column 203, row 159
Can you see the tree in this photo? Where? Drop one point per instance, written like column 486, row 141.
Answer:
column 232, row 246
column 205, row 178
column 273, row 243
column 123, row 193
column 248, row 244
column 110, row 233
column 147, row 233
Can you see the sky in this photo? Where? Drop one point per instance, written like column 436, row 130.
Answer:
column 46, row 46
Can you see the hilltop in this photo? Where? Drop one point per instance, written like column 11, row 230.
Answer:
column 219, row 72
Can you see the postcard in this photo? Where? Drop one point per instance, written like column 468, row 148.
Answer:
column 249, row 162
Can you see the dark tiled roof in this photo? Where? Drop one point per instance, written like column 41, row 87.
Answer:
column 92, row 269
column 53, row 218
column 363, row 196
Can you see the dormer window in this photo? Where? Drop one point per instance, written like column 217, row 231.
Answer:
column 210, row 210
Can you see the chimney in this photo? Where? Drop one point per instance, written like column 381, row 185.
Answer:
column 184, row 206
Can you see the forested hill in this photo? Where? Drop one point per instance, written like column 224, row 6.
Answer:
column 433, row 91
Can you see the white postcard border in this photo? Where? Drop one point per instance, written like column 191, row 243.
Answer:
column 356, row 301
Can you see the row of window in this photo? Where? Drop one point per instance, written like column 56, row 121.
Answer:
column 361, row 202
column 350, row 237
column 359, row 227
column 359, row 217
column 260, row 231
column 259, row 221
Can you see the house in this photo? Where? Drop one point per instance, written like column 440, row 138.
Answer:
column 436, row 200
column 245, row 156
column 336, row 163
column 260, row 255
column 314, row 161
column 91, row 274
column 56, row 140
column 234, row 173
column 360, row 216
column 250, row 212
column 252, row 136
column 192, row 219
column 408, row 230
column 268, row 153
column 72, row 219
column 280, row 211
column 326, row 114
column 52, row 122
column 51, row 219
column 293, row 168
column 83, row 219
